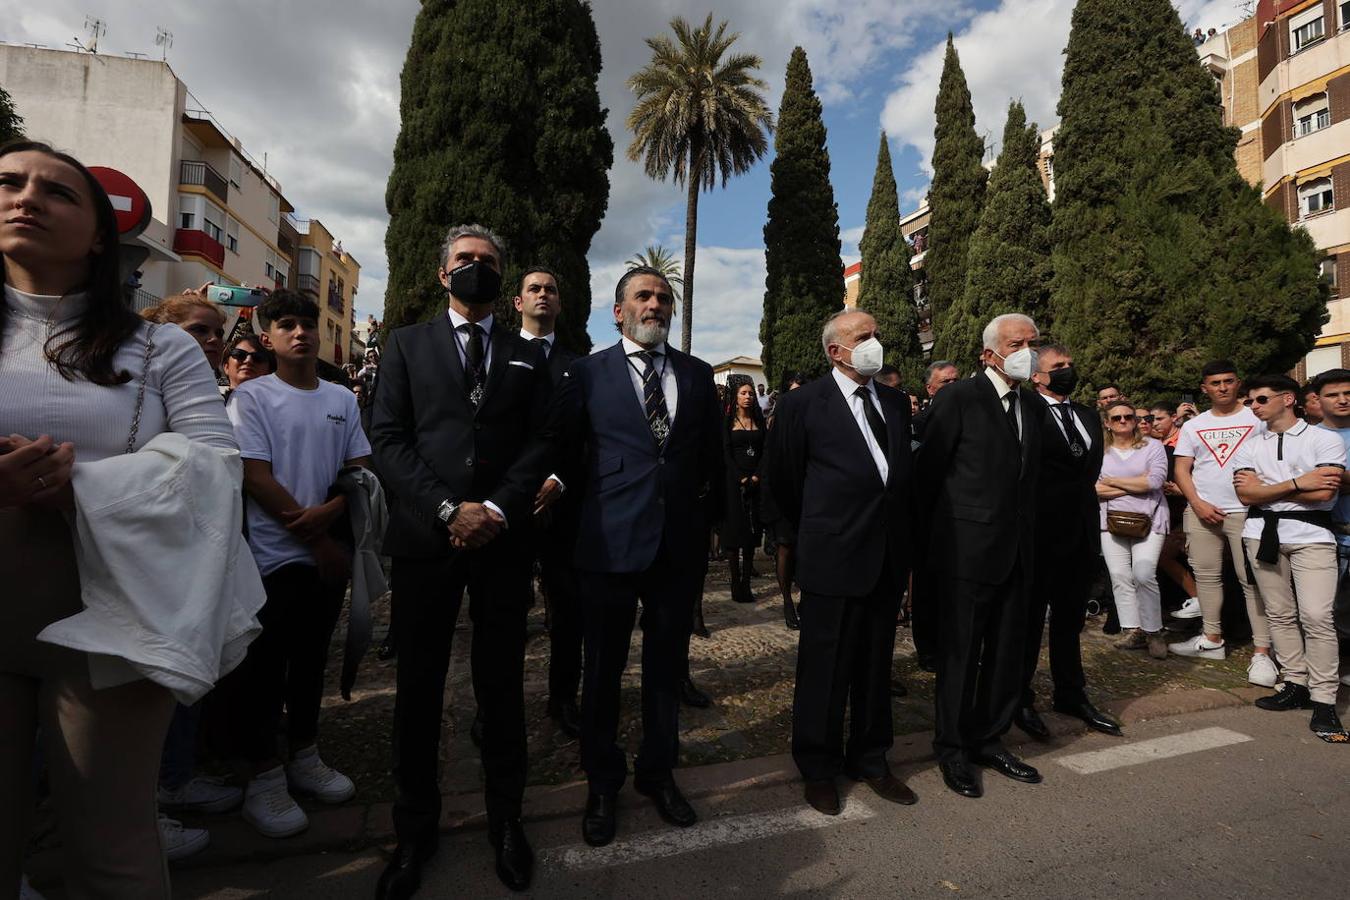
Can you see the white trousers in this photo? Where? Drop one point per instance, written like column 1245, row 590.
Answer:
column 1133, row 564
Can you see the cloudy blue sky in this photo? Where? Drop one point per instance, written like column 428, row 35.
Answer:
column 314, row 84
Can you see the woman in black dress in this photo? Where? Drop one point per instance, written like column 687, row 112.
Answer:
column 782, row 533
column 743, row 445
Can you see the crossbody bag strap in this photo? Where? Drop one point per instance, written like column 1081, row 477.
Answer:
column 140, row 391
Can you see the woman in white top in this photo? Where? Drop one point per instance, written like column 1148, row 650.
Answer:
column 81, row 373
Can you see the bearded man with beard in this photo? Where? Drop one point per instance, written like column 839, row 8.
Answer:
column 638, row 426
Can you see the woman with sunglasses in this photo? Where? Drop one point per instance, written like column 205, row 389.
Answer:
column 247, row 359
column 1134, row 469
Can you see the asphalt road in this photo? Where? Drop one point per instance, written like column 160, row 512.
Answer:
column 1248, row 803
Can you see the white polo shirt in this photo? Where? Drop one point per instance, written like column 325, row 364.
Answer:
column 1280, row 457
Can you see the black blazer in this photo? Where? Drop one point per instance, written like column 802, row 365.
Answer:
column 1068, row 515
column 825, row 482
column 632, row 495
column 431, row 445
column 976, row 485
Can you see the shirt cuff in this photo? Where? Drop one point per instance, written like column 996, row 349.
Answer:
column 562, row 486
column 498, row 510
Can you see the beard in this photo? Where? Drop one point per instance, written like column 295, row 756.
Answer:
column 650, row 332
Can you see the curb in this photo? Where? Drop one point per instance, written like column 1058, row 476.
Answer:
column 350, row 828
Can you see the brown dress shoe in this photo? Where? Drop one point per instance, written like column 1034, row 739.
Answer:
column 888, row 787
column 823, row 797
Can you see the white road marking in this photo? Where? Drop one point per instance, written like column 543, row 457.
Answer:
column 712, row 833
column 1149, row 751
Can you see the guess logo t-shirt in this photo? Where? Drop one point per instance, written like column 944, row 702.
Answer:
column 1213, row 441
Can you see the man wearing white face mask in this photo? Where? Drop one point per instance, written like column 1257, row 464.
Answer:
column 840, row 467
column 976, row 480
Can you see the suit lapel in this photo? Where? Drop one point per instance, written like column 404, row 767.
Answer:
column 616, row 361
column 684, row 382
column 449, row 354
column 1085, row 416
column 890, row 408
column 839, row 409
column 502, row 353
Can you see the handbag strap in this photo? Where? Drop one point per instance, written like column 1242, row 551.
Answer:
column 140, row 391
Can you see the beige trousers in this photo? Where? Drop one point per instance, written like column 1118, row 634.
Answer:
column 102, row 747
column 1204, row 547
column 1302, row 627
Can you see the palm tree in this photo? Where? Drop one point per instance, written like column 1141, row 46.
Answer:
column 698, row 116
column 654, row 256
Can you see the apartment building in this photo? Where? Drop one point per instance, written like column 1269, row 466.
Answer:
column 329, row 275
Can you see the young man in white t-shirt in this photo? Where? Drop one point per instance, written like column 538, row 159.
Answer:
column 1290, row 475
column 1214, row 518
column 295, row 434
column 1333, row 390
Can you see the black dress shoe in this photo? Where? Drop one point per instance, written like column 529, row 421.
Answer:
column 692, row 696
column 888, row 787
column 898, row 688
column 1112, row 623
column 403, row 876
column 958, row 776
column 700, row 628
column 567, row 717
column 670, row 803
column 387, row 651
column 1005, row 763
column 1094, row 717
column 600, row 820
column 823, row 797
column 476, row 730
column 1030, row 721
column 790, row 617
column 1291, row 696
column 515, row 858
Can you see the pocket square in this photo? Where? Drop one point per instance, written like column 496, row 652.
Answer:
column 522, row 364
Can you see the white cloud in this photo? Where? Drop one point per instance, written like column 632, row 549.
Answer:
column 848, row 241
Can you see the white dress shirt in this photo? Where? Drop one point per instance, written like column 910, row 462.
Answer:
column 461, row 339
column 848, row 387
column 1059, row 420
column 663, row 368
column 546, row 338
column 1004, row 389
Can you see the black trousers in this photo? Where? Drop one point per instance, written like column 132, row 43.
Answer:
column 284, row 665
column 610, row 603
column 924, row 607
column 427, row 594
column 1062, row 583
column 563, row 587
column 979, row 677
column 844, row 657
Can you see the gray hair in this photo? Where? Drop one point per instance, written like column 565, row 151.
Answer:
column 936, row 366
column 830, row 333
column 996, row 325
column 473, row 231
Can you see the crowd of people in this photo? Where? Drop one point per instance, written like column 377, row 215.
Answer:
column 256, row 493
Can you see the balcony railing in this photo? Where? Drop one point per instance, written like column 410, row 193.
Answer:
column 196, row 172
column 142, row 299
column 307, row 283
column 334, row 300
column 199, row 243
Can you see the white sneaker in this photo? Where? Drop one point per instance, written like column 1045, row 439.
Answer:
column 310, row 775
column 178, row 842
column 1189, row 610
column 204, row 793
column 1345, row 679
column 1198, row 646
column 270, row 809
column 26, row 891
column 1261, row 670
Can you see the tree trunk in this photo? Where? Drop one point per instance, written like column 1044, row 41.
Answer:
column 690, row 240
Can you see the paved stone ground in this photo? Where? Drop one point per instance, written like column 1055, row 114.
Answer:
column 747, row 666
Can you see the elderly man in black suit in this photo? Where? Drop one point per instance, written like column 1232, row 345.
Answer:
column 457, row 434
column 840, row 467
column 976, row 475
column 1068, row 545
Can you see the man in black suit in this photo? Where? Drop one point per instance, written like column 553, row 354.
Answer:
column 1068, row 545
column 539, row 304
column 841, row 470
column 976, row 476
column 456, row 432
column 641, row 424
column 924, row 602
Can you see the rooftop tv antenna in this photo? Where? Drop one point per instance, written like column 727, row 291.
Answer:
column 163, row 40
column 95, row 28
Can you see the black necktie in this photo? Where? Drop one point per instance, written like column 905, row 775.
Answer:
column 1012, row 413
column 1071, row 430
column 874, row 420
column 541, row 342
column 473, row 354
column 654, row 399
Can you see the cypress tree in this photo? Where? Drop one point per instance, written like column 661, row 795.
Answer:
column 887, row 288
column 804, row 280
column 11, row 123
column 1008, row 269
column 1163, row 256
column 956, row 195
column 501, row 125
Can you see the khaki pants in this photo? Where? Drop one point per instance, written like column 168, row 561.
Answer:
column 1204, row 547
column 1302, row 627
column 102, row 747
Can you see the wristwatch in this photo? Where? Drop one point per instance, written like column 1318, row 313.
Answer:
column 447, row 511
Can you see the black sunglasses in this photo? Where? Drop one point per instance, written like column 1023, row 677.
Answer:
column 1129, row 418
column 1263, row 399
column 240, row 355
column 1148, row 419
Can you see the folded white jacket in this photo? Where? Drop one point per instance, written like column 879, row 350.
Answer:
column 170, row 589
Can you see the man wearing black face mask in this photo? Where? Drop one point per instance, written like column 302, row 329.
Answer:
column 456, row 432
column 1068, row 543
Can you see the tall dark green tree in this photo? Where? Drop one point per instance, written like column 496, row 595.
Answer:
column 501, row 125
column 1008, row 268
column 805, row 279
column 956, row 195
column 887, row 285
column 11, row 123
column 1163, row 256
